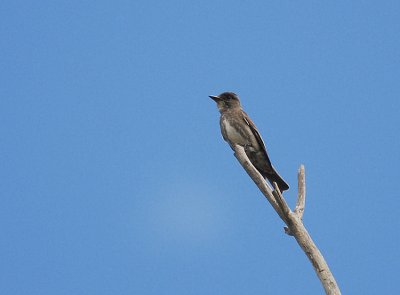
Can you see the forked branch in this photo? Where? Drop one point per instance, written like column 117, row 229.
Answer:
column 293, row 219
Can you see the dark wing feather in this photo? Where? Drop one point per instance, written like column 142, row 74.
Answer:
column 260, row 141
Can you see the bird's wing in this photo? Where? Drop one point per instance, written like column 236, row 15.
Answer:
column 260, row 141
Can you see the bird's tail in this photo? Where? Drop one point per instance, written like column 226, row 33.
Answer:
column 275, row 177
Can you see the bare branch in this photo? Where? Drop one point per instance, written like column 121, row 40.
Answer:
column 240, row 154
column 306, row 243
column 293, row 220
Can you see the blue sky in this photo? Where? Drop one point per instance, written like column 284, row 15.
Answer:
column 114, row 175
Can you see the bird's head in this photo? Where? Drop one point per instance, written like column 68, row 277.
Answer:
column 226, row 100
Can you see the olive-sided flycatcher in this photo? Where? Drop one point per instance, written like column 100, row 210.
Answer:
column 238, row 129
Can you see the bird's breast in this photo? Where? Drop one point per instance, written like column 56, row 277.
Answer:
column 233, row 132
column 238, row 132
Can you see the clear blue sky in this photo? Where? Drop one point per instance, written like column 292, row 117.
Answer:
column 114, row 175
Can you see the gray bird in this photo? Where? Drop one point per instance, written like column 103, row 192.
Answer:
column 238, row 129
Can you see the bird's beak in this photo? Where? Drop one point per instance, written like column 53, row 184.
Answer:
column 215, row 98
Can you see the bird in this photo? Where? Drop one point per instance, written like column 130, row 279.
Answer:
column 238, row 129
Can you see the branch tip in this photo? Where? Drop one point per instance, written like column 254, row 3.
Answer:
column 301, row 195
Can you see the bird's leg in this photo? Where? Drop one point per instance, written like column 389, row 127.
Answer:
column 247, row 146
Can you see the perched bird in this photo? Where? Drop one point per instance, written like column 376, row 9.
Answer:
column 238, row 129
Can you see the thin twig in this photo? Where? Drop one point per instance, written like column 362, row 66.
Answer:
column 284, row 207
column 280, row 200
